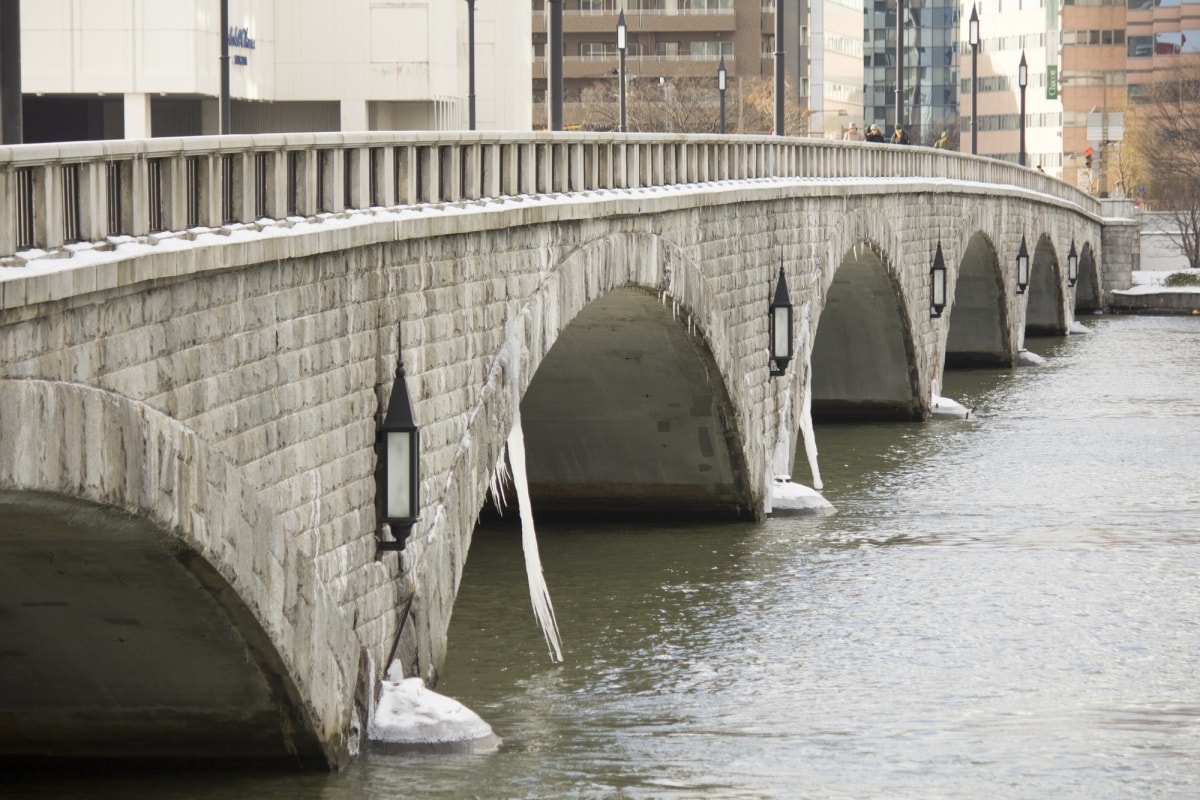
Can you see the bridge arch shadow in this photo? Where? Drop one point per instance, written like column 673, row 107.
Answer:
column 978, row 330
column 140, row 614
column 1088, row 294
column 627, row 416
column 1045, row 314
column 863, row 364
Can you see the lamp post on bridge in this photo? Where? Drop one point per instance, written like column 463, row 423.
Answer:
column 722, row 76
column 621, row 34
column 555, row 67
column 973, row 40
column 1023, row 82
column 223, row 125
column 471, row 65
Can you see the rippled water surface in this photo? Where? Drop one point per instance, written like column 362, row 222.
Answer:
column 1007, row 606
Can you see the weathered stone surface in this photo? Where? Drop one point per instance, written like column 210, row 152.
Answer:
column 229, row 392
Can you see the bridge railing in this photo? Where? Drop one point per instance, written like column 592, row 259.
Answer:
column 57, row 194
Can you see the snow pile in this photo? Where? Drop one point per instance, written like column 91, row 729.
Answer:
column 410, row 717
column 1154, row 282
column 945, row 407
column 796, row 499
column 1028, row 359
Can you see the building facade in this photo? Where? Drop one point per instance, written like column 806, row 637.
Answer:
column 673, row 43
column 931, row 67
column 141, row 68
column 1087, row 60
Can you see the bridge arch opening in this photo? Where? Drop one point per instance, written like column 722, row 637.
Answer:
column 627, row 415
column 121, row 643
column 978, row 334
column 862, row 353
column 1088, row 297
column 169, row 551
column 1045, row 314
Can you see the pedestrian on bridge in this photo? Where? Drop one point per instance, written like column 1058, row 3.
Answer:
column 853, row 134
column 900, row 136
column 874, row 134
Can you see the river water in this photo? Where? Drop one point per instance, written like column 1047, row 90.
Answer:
column 1006, row 606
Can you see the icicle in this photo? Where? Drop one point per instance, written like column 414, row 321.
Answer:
column 500, row 476
column 539, row 594
column 806, row 424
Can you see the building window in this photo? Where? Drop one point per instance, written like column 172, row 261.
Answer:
column 668, row 49
column 1140, row 46
column 711, row 49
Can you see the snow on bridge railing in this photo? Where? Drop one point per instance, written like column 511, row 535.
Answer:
column 57, row 194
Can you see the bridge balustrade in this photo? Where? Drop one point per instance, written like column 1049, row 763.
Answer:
column 101, row 192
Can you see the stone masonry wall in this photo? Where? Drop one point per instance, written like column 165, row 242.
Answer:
column 275, row 349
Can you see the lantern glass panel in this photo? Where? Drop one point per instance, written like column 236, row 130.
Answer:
column 781, row 346
column 399, row 476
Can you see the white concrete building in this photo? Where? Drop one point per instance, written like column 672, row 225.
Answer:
column 100, row 69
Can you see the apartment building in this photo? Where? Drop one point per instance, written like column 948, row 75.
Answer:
column 1087, row 60
column 671, row 40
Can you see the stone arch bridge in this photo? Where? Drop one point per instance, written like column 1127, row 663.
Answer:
column 197, row 338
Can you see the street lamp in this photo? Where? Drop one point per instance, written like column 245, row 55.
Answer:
column 398, row 445
column 1072, row 265
column 780, row 324
column 1022, row 267
column 1023, row 81
column 973, row 40
column 937, row 284
column 721, row 78
column 621, row 53
column 471, row 64
column 554, row 69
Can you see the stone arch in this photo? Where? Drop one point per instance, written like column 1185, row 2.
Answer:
column 862, row 354
column 1045, row 310
column 183, row 500
column 628, row 262
column 978, row 328
column 1088, row 294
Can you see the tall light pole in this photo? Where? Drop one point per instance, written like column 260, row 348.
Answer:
column 555, row 65
column 223, row 101
column 621, row 34
column 779, row 71
column 973, row 40
column 900, row 62
column 722, row 76
column 471, row 64
column 1023, row 81
column 10, row 72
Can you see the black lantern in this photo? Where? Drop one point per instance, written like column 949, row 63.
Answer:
column 1022, row 267
column 937, row 284
column 398, row 446
column 780, row 324
column 1072, row 265
column 621, row 54
column 722, row 77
